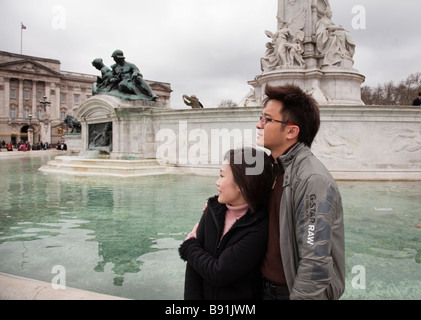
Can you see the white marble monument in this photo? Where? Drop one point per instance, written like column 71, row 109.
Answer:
column 310, row 50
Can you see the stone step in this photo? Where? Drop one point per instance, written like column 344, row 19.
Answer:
column 101, row 167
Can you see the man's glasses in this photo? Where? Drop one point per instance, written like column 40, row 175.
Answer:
column 265, row 120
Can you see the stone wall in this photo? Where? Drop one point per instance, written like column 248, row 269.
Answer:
column 355, row 143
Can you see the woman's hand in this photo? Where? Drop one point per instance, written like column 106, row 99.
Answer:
column 193, row 233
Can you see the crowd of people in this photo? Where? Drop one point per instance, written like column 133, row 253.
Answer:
column 26, row 146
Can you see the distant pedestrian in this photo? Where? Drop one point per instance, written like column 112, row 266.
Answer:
column 417, row 101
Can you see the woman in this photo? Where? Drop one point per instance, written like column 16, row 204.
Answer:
column 225, row 249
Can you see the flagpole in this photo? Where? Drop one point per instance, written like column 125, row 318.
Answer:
column 21, row 34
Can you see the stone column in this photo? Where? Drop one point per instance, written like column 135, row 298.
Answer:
column 34, row 99
column 55, row 108
column 48, row 95
column 20, row 101
column 118, row 135
column 85, row 135
column 6, row 105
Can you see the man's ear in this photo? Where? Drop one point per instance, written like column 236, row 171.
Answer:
column 293, row 132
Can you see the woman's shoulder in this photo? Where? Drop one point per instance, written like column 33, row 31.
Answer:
column 214, row 204
column 215, row 208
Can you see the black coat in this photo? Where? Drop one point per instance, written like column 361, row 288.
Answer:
column 226, row 269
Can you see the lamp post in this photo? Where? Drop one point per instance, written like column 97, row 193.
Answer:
column 44, row 103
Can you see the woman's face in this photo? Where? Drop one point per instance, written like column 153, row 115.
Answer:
column 228, row 190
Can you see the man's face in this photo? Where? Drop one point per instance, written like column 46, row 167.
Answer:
column 272, row 135
column 118, row 60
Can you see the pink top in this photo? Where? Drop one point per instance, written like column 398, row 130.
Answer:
column 232, row 215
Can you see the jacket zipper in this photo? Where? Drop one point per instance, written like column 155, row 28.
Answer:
column 223, row 239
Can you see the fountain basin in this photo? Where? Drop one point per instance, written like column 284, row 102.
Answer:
column 105, row 167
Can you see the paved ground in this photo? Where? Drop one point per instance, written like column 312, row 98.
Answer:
column 18, row 288
column 34, row 153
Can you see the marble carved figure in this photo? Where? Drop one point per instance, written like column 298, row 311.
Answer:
column 333, row 41
column 286, row 43
column 309, row 50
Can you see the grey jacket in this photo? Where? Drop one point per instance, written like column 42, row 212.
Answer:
column 311, row 228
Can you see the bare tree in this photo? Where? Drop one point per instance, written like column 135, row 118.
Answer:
column 227, row 104
column 390, row 94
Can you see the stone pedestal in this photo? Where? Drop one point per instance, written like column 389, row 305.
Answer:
column 329, row 86
column 31, row 136
column 73, row 142
column 309, row 50
column 45, row 128
column 132, row 130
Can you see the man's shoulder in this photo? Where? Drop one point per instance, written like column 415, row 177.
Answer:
column 311, row 167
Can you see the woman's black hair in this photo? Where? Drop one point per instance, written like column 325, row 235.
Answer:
column 252, row 171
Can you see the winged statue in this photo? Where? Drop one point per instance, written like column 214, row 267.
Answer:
column 285, row 49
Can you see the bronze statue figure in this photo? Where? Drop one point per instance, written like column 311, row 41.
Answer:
column 192, row 101
column 123, row 80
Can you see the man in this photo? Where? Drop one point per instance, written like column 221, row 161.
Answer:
column 417, row 101
column 128, row 78
column 305, row 258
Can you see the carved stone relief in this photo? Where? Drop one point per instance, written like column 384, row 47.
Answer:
column 331, row 144
column 407, row 139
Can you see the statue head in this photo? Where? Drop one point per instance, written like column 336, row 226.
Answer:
column 118, row 54
column 329, row 13
column 98, row 63
column 269, row 45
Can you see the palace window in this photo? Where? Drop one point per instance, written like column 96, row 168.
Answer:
column 63, row 98
column 26, row 94
column 13, row 113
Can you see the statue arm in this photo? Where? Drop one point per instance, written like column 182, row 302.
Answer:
column 135, row 71
column 187, row 100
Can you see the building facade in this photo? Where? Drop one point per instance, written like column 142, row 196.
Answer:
column 36, row 96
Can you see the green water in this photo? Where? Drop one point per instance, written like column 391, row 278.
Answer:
column 120, row 236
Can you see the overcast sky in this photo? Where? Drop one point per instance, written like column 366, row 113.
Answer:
column 210, row 48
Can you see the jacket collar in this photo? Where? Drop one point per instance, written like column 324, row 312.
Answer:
column 218, row 212
column 298, row 151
